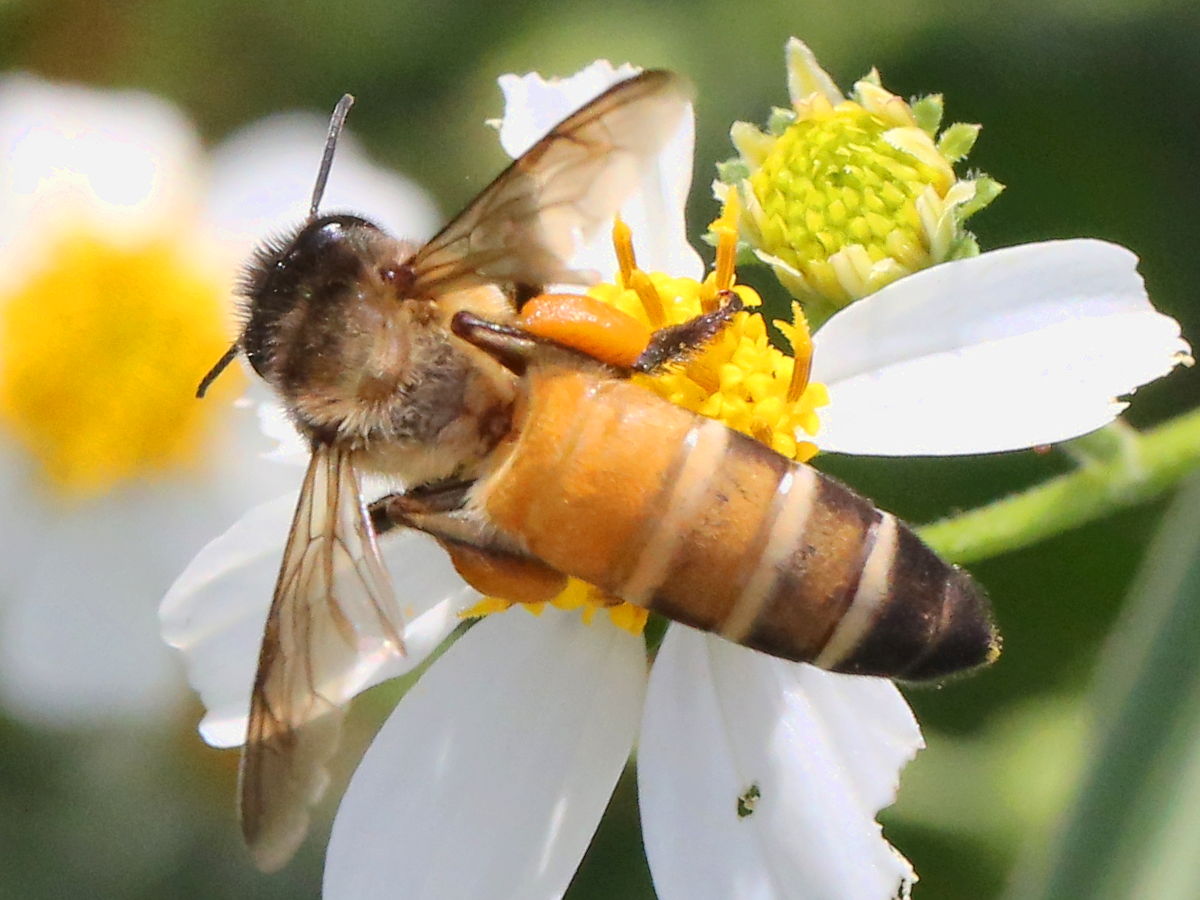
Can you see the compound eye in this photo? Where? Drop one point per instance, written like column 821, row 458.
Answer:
column 296, row 250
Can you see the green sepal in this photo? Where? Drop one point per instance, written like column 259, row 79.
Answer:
column 780, row 120
column 963, row 247
column 733, row 170
column 928, row 111
column 957, row 140
column 872, row 77
column 987, row 189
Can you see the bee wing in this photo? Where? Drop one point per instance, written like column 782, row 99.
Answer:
column 332, row 616
column 525, row 225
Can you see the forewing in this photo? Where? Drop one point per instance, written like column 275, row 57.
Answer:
column 333, row 614
column 524, row 227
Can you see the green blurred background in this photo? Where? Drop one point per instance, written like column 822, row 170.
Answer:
column 1091, row 114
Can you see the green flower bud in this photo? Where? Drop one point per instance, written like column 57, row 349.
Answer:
column 844, row 195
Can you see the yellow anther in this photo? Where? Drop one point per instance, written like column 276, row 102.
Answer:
column 726, row 256
column 798, row 336
column 726, row 229
column 622, row 238
column 648, row 294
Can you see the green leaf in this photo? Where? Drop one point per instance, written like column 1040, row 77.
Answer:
column 1133, row 828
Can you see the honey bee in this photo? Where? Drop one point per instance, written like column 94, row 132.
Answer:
column 524, row 448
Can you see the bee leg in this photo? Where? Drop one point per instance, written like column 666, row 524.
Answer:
column 440, row 511
column 396, row 510
column 490, row 563
column 517, row 579
column 676, row 343
column 561, row 326
column 594, row 328
column 512, row 347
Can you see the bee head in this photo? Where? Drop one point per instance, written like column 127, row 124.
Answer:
column 313, row 272
column 318, row 261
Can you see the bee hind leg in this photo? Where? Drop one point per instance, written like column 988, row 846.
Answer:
column 676, row 343
column 406, row 509
column 490, row 563
column 556, row 327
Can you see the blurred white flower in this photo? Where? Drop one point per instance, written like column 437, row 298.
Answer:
column 757, row 777
column 119, row 247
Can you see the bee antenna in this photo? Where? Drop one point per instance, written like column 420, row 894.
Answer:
column 336, row 122
column 216, row 370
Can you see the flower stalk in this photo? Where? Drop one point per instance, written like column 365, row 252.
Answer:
column 1118, row 468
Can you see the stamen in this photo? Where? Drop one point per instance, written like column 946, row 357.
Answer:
column 648, row 294
column 798, row 336
column 726, row 255
column 725, row 227
column 622, row 238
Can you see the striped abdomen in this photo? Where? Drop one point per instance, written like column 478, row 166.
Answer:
column 675, row 512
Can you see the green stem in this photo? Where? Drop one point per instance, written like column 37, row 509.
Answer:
column 1120, row 467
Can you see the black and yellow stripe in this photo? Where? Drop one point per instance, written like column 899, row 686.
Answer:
column 609, row 483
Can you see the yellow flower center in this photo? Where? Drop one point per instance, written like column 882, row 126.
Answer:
column 740, row 379
column 102, row 350
column 576, row 595
column 846, row 178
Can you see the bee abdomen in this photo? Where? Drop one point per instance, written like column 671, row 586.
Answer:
column 680, row 514
column 822, row 576
column 891, row 606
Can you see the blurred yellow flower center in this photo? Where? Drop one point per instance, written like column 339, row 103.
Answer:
column 740, row 378
column 102, row 351
column 845, row 177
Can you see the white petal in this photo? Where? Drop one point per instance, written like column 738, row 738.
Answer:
column 215, row 610
column 122, row 162
column 263, row 177
column 491, row 775
column 1016, row 347
column 78, row 642
column 533, row 105
column 79, row 637
column 290, row 447
column 824, row 752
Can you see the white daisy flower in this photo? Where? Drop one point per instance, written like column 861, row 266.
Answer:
column 757, row 777
column 119, row 246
